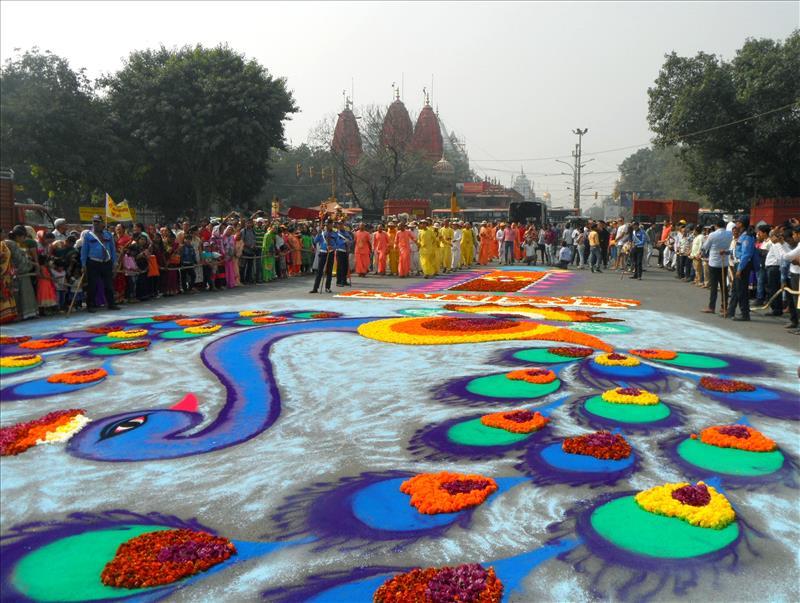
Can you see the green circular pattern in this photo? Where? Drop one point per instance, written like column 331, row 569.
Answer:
column 699, row 361
column 500, row 386
column 183, row 335
column 730, row 461
column 600, row 328
column 141, row 321
column 109, row 351
column 475, row 433
column 10, row 370
column 542, row 356
column 626, row 413
column 69, row 569
column 626, row 525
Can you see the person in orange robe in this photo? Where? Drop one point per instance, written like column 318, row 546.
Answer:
column 487, row 245
column 296, row 250
column 393, row 253
column 403, row 241
column 518, row 240
column 363, row 249
column 380, row 243
column 493, row 228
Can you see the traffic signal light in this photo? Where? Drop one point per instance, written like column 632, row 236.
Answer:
column 298, row 169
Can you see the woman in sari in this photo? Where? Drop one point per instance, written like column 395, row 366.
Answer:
column 8, row 305
column 24, row 295
column 268, row 255
column 229, row 256
column 295, row 251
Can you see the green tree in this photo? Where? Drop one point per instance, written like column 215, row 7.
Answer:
column 309, row 187
column 660, row 171
column 54, row 130
column 198, row 125
column 693, row 97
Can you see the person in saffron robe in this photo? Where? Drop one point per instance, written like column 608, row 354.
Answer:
column 363, row 250
column 404, row 238
column 446, row 234
column 519, row 254
column 486, row 245
column 427, row 249
column 296, row 251
column 394, row 254
column 381, row 245
column 467, row 245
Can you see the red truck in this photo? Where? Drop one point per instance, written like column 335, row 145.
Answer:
column 775, row 211
column 12, row 213
column 665, row 210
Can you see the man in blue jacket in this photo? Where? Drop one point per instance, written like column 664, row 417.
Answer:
column 747, row 260
column 99, row 258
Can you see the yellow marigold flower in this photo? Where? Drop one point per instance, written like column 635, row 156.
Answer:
column 704, row 506
column 204, row 330
column 129, row 334
column 630, row 395
column 616, row 360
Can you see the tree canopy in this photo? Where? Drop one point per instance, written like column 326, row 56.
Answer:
column 198, row 125
column 660, row 171
column 694, row 100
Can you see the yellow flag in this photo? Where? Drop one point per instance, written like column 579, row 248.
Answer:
column 453, row 204
column 117, row 212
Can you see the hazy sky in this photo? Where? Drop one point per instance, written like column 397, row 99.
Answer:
column 512, row 79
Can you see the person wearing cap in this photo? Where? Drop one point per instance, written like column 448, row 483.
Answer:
column 98, row 258
column 60, row 230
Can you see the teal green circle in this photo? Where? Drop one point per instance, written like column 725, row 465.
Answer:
column 141, row 321
column 475, row 433
column 420, row 311
column 108, row 351
column 600, row 328
column 305, row 314
column 69, row 569
column 542, row 356
column 245, row 322
column 626, row 413
column 107, row 339
column 696, row 361
column 499, row 386
column 182, row 335
column 626, row 525
column 10, row 370
column 730, row 461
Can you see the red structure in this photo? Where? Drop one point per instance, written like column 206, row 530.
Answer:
column 662, row 210
column 346, row 137
column 397, row 129
column 775, row 211
column 419, row 208
column 428, row 135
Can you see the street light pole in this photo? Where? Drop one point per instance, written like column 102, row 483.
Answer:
column 578, row 166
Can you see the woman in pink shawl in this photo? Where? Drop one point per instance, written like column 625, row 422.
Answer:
column 229, row 255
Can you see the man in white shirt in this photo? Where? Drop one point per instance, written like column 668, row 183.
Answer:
column 776, row 249
column 455, row 246
column 619, row 240
column 793, row 257
column 717, row 245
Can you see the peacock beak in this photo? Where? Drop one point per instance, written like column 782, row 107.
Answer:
column 188, row 404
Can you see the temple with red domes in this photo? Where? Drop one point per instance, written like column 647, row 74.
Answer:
column 346, row 136
column 427, row 138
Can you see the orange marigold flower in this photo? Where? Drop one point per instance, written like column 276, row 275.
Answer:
column 727, row 386
column 534, row 375
column 516, row 421
column 77, row 377
column 192, row 322
column 447, row 492
column 6, row 340
column 742, row 437
column 43, row 344
column 268, row 320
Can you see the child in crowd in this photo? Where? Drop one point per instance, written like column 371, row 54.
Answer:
column 188, row 262
column 564, row 255
column 45, row 288
column 59, row 272
column 130, row 270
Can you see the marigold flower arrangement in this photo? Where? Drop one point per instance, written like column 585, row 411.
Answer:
column 742, row 437
column 253, row 313
column 516, row 421
column 192, row 322
column 57, row 426
column 164, row 557
column 467, row 583
column 168, row 317
column 105, row 330
column 268, row 320
column 616, row 360
column 700, row 505
column 655, row 354
column 78, row 377
column 600, row 444
column 203, row 329
column 630, row 395
column 130, row 334
column 500, row 281
column 130, row 345
column 571, row 351
column 326, row 315
column 20, row 361
column 447, row 492
column 725, row 386
column 7, row 340
column 44, row 344
column 535, row 375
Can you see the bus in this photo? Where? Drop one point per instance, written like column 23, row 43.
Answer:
column 478, row 214
column 524, row 212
